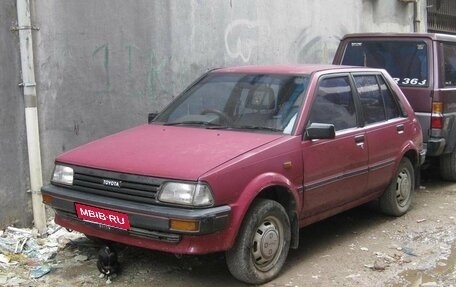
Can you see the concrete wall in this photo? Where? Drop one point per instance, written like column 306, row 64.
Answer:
column 15, row 203
column 103, row 65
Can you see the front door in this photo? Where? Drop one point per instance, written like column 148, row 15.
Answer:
column 335, row 170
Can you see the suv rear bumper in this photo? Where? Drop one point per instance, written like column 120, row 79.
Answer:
column 423, row 154
column 150, row 224
column 435, row 146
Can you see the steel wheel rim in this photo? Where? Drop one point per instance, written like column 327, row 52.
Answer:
column 403, row 187
column 267, row 243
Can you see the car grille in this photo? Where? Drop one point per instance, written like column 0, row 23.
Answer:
column 130, row 187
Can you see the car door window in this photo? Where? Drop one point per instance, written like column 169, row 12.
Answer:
column 377, row 100
column 371, row 98
column 449, row 62
column 334, row 103
column 391, row 104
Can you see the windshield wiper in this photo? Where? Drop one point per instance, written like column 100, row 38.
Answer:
column 258, row 128
column 207, row 125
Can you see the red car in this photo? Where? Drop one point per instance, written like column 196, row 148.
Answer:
column 243, row 159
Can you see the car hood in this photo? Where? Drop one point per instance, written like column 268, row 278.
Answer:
column 165, row 151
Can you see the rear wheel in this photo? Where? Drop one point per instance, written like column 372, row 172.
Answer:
column 262, row 244
column 448, row 166
column 398, row 196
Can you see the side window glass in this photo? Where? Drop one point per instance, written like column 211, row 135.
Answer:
column 334, row 104
column 391, row 106
column 371, row 98
column 449, row 62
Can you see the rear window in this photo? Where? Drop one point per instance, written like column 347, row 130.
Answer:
column 405, row 61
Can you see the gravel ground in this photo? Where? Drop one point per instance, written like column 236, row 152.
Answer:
column 360, row 247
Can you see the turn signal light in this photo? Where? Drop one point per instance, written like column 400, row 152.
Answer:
column 47, row 199
column 437, row 118
column 184, row 225
column 437, row 107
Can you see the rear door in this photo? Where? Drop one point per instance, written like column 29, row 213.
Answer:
column 385, row 125
column 335, row 170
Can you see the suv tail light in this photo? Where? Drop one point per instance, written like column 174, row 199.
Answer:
column 437, row 118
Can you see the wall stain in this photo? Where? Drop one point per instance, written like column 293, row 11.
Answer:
column 147, row 74
column 104, row 52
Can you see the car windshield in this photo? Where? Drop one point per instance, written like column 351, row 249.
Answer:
column 405, row 61
column 254, row 102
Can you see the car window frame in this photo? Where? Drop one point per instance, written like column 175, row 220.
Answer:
column 444, row 80
column 402, row 110
column 355, row 96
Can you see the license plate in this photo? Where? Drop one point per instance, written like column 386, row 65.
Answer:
column 102, row 216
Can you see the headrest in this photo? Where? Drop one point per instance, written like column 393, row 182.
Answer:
column 260, row 98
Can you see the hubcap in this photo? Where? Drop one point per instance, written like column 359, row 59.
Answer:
column 403, row 187
column 267, row 243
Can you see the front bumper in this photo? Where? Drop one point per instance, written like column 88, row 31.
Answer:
column 147, row 221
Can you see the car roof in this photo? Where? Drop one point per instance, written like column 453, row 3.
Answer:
column 432, row 36
column 289, row 69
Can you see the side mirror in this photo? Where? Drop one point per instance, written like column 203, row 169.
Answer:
column 320, row 131
column 151, row 117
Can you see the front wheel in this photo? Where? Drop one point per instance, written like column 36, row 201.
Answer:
column 262, row 244
column 398, row 196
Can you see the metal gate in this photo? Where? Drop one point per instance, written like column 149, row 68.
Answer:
column 441, row 16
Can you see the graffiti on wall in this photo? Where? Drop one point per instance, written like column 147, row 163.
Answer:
column 310, row 47
column 243, row 36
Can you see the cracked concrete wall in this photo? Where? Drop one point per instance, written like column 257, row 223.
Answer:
column 103, row 65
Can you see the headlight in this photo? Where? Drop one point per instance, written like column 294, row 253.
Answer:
column 63, row 174
column 193, row 194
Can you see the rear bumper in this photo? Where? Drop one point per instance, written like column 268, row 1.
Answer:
column 150, row 224
column 423, row 153
column 435, row 146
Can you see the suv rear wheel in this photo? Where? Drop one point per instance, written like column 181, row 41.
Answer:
column 398, row 196
column 262, row 244
column 448, row 166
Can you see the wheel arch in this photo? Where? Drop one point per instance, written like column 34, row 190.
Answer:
column 274, row 187
column 285, row 198
column 413, row 156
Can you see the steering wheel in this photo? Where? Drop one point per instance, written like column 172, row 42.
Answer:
column 222, row 116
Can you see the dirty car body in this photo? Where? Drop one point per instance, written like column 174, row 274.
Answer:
column 241, row 160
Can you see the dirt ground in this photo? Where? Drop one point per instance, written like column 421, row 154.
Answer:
column 360, row 247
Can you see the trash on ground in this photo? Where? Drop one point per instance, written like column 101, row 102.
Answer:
column 40, row 271
column 26, row 242
column 4, row 259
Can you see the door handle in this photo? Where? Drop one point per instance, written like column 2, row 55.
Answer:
column 359, row 140
column 400, row 129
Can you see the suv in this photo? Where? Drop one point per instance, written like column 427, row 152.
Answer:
column 241, row 160
column 424, row 66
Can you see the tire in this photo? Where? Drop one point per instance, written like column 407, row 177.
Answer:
column 448, row 166
column 265, row 235
column 398, row 196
